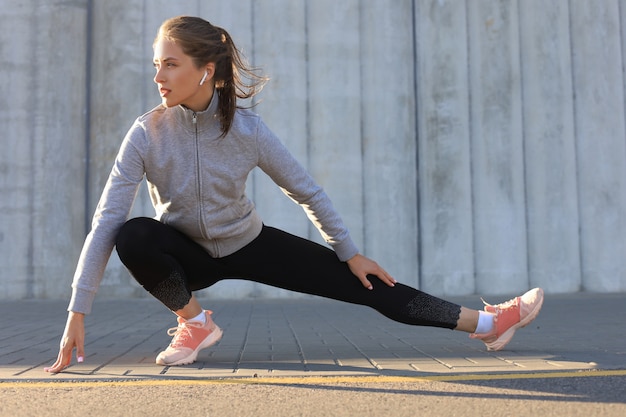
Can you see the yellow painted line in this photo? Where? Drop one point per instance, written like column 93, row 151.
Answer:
column 312, row 380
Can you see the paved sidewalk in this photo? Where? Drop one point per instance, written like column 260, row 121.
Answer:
column 308, row 337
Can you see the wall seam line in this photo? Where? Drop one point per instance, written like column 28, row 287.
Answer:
column 87, row 119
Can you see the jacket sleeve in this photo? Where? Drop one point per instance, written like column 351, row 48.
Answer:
column 111, row 213
column 295, row 181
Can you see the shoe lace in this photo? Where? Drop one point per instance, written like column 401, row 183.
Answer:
column 182, row 333
column 502, row 306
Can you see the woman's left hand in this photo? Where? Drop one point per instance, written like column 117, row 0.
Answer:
column 362, row 267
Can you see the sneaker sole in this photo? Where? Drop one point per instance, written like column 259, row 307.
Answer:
column 210, row 340
column 506, row 337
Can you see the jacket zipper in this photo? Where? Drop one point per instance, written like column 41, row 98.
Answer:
column 194, row 119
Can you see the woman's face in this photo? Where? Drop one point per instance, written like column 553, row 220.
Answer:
column 178, row 78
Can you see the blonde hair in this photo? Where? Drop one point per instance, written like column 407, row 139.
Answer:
column 205, row 43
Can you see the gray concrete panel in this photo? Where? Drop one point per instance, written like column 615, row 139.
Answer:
column 497, row 148
column 280, row 53
column 549, row 147
column 120, row 62
column 445, row 207
column 601, row 147
column 388, row 139
column 335, row 149
column 43, row 190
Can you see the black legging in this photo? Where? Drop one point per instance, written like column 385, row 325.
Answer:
column 170, row 266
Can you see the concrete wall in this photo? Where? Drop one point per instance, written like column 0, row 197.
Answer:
column 471, row 146
column 42, row 163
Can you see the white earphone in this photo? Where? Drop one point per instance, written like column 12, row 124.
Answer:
column 206, row 74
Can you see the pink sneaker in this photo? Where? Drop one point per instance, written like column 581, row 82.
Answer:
column 510, row 316
column 189, row 338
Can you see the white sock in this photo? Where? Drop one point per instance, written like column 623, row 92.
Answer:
column 200, row 317
column 485, row 322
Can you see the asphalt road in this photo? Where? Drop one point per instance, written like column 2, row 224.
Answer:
column 571, row 394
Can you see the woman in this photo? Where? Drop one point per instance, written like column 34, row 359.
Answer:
column 196, row 150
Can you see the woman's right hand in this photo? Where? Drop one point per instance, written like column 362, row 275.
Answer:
column 73, row 337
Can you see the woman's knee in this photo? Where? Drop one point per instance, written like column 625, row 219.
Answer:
column 135, row 233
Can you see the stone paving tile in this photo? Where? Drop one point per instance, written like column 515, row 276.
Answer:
column 307, row 337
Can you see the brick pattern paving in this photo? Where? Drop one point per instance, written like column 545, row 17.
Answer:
column 307, row 337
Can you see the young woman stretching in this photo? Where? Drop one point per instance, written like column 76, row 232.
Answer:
column 196, row 150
